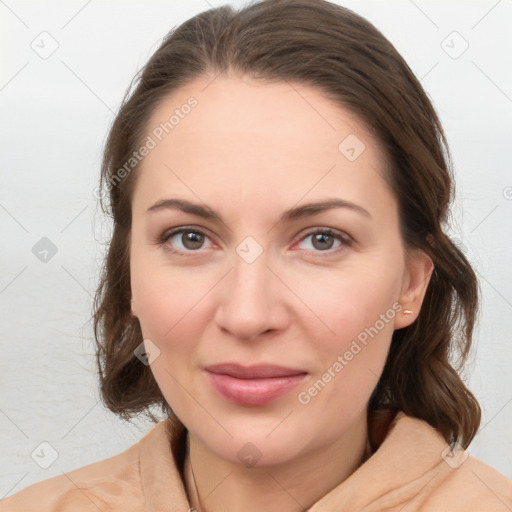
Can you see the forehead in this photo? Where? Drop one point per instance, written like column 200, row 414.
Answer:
column 281, row 115
column 246, row 137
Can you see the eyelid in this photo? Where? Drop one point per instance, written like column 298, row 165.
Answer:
column 180, row 229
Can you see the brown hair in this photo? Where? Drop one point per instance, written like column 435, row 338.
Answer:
column 316, row 43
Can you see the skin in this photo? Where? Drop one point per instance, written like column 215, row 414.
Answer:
column 251, row 150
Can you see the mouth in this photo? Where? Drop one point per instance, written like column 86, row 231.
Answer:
column 253, row 385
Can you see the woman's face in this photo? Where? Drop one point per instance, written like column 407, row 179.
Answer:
column 255, row 278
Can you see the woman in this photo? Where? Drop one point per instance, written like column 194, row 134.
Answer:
column 279, row 280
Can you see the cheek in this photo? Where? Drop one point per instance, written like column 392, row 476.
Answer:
column 167, row 301
column 168, row 305
column 360, row 307
column 343, row 304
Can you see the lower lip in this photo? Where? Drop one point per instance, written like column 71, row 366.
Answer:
column 254, row 392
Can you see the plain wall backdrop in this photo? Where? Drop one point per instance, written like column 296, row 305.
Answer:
column 65, row 69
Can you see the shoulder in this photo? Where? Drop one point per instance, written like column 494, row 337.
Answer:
column 455, row 480
column 466, row 483
column 415, row 469
column 108, row 484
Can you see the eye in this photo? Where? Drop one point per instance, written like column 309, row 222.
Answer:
column 184, row 239
column 188, row 239
column 325, row 239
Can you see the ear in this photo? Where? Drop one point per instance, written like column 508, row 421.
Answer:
column 417, row 273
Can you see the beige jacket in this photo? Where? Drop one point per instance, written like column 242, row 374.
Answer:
column 411, row 471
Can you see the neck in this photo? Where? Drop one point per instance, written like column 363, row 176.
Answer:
column 293, row 486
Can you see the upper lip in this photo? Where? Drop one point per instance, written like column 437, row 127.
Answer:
column 259, row 371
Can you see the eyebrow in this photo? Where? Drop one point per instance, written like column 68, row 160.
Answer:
column 295, row 213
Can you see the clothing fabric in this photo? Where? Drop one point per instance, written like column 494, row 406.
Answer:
column 412, row 470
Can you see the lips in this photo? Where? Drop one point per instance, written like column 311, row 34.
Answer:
column 253, row 385
column 260, row 371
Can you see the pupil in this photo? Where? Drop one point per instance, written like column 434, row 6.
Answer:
column 192, row 240
column 322, row 238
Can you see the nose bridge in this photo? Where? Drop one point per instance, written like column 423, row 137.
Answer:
column 250, row 302
column 249, row 277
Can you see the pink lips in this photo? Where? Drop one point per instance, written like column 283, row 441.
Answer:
column 253, row 385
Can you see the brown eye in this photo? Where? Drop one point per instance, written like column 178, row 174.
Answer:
column 192, row 240
column 322, row 241
column 185, row 240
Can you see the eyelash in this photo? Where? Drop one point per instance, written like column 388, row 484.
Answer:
column 346, row 241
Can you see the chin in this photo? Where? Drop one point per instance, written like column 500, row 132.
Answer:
column 258, row 442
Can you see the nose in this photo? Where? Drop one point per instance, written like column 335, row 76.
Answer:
column 252, row 301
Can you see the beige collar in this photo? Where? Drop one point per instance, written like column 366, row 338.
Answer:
column 408, row 459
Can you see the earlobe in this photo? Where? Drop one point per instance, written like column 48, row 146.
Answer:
column 417, row 276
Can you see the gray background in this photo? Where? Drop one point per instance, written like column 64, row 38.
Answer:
column 56, row 110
